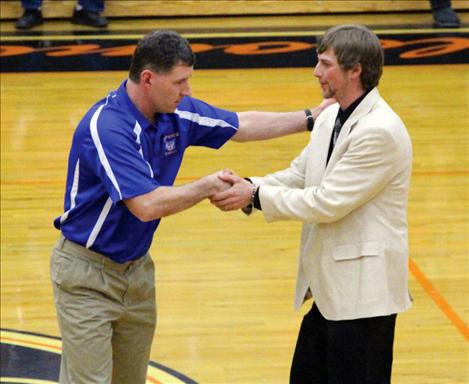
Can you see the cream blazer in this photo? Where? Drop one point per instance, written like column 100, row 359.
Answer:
column 354, row 245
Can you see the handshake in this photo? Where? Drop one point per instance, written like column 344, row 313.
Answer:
column 228, row 191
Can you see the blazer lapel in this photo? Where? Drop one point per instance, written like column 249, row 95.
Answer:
column 319, row 146
column 362, row 109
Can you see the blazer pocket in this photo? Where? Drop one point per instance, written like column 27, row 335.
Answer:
column 355, row 251
column 359, row 273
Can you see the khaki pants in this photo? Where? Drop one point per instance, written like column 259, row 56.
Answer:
column 106, row 313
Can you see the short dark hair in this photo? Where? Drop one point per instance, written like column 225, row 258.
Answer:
column 160, row 51
column 355, row 44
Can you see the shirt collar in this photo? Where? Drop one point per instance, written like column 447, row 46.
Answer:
column 122, row 94
column 343, row 115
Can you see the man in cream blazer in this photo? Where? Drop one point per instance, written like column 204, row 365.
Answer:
column 350, row 188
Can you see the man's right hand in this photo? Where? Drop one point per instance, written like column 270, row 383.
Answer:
column 215, row 184
column 238, row 196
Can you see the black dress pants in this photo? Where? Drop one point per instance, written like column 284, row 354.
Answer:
column 343, row 352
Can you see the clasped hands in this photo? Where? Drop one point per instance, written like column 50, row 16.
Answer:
column 236, row 194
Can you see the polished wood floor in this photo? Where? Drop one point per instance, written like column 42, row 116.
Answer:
column 226, row 282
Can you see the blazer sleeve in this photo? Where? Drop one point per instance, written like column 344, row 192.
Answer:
column 292, row 177
column 363, row 171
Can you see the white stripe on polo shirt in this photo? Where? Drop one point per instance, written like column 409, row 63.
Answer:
column 203, row 120
column 99, row 147
column 138, row 131
column 99, row 224
column 73, row 191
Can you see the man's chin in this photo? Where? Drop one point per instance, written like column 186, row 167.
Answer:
column 170, row 110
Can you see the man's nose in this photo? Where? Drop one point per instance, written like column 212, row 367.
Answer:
column 316, row 71
column 187, row 90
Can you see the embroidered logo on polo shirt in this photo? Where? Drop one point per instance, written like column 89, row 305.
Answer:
column 170, row 143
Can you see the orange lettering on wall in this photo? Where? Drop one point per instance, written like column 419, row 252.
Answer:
column 14, row 50
column 125, row 50
column 443, row 46
column 196, row 48
column 388, row 43
column 268, row 47
column 69, row 50
column 427, row 47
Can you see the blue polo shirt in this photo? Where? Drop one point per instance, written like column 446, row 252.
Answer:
column 117, row 154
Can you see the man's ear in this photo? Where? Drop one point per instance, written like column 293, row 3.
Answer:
column 356, row 71
column 145, row 77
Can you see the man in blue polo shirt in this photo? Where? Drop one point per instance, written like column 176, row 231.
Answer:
column 125, row 155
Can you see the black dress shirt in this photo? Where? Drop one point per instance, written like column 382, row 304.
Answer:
column 340, row 120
